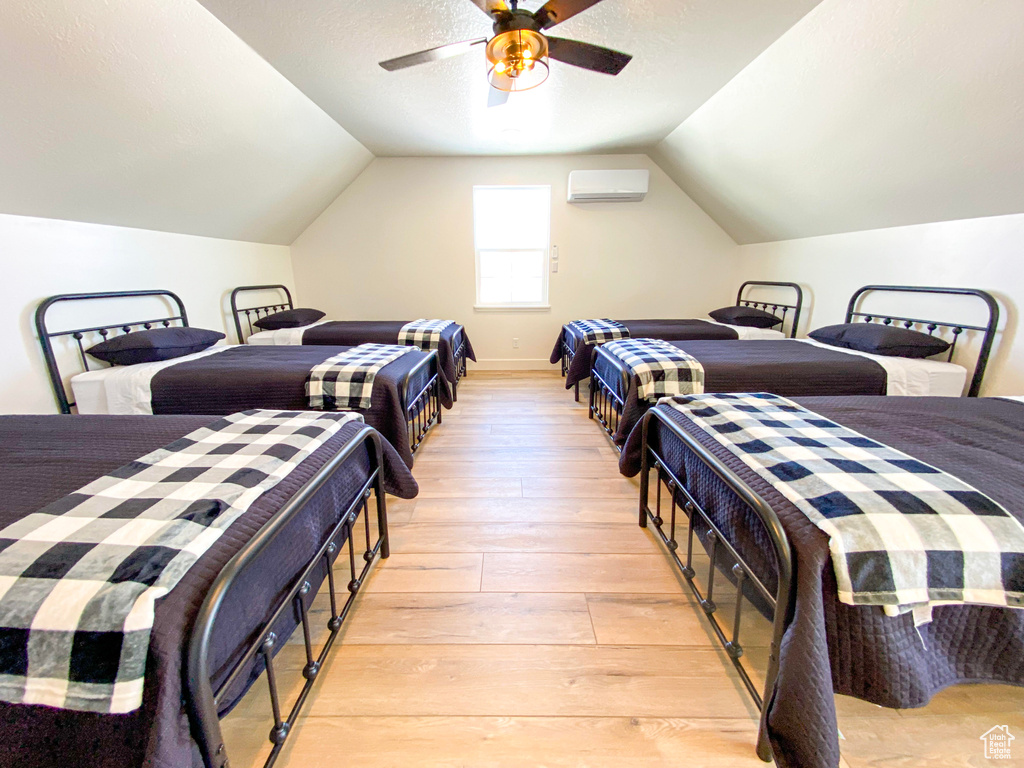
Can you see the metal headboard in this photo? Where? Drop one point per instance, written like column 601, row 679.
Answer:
column 46, row 336
column 955, row 329
column 259, row 312
column 774, row 307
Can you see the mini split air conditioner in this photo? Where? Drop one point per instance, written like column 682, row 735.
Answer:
column 607, row 186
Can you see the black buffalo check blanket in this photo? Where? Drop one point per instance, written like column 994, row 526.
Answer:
column 79, row 579
column 830, row 647
column 345, row 381
column 902, row 534
column 600, row 331
column 423, row 333
column 662, row 369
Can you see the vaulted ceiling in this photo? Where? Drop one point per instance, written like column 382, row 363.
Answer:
column 152, row 114
column 866, row 114
column 244, row 119
column 683, row 52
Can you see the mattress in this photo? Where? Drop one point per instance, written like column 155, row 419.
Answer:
column 745, row 333
column 281, row 336
column 44, row 458
column 660, row 328
column 125, row 390
column 352, row 332
column 830, row 647
column 227, row 379
column 792, row 368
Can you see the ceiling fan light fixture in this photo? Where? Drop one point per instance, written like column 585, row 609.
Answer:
column 517, row 60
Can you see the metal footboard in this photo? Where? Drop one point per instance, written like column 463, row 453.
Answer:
column 567, row 355
column 461, row 368
column 683, row 506
column 423, row 408
column 202, row 700
column 606, row 405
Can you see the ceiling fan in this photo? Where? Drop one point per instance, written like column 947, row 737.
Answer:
column 518, row 53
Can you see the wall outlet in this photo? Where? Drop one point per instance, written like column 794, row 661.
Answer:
column 515, row 342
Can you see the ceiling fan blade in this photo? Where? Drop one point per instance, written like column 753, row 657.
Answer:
column 587, row 56
column 431, row 54
column 556, row 11
column 496, row 97
column 490, row 7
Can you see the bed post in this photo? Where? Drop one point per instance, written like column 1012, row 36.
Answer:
column 645, row 474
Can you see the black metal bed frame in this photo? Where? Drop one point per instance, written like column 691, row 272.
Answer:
column 252, row 314
column 422, row 410
column 744, row 578
column 64, row 403
column 202, row 700
column 606, row 405
column 773, row 307
column 955, row 329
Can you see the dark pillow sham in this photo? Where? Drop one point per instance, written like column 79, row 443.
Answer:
column 745, row 316
column 290, row 318
column 152, row 346
column 879, row 339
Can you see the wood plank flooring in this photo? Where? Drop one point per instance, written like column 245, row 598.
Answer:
column 524, row 619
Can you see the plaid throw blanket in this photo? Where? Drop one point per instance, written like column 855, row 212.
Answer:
column 662, row 369
column 345, row 382
column 600, row 331
column 423, row 333
column 902, row 534
column 79, row 578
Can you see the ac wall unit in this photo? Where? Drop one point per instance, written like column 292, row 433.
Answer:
column 608, row 186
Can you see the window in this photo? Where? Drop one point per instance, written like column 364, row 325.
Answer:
column 512, row 227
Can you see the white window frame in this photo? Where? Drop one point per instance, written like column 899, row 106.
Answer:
column 543, row 304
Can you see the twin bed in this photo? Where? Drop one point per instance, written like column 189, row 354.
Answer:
column 222, row 623
column 453, row 349
column 576, row 354
column 703, row 459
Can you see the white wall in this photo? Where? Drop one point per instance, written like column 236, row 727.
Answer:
column 983, row 253
column 398, row 244
column 42, row 257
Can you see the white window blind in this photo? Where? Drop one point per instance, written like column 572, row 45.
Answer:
column 512, row 229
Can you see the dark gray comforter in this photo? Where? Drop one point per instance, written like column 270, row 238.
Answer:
column 246, row 377
column 830, row 647
column 787, row 367
column 668, row 330
column 345, row 333
column 44, row 458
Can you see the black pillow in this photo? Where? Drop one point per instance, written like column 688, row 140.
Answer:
column 290, row 318
column 745, row 316
column 154, row 345
column 880, row 339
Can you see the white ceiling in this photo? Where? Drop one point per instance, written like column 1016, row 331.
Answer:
column 151, row 114
column 866, row 114
column 684, row 51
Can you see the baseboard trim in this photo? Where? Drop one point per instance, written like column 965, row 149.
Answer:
column 513, row 364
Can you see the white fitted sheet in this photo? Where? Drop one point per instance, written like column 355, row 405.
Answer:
column 746, row 333
column 910, row 377
column 282, row 337
column 124, row 390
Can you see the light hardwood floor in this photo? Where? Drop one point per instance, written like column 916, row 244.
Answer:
column 524, row 619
